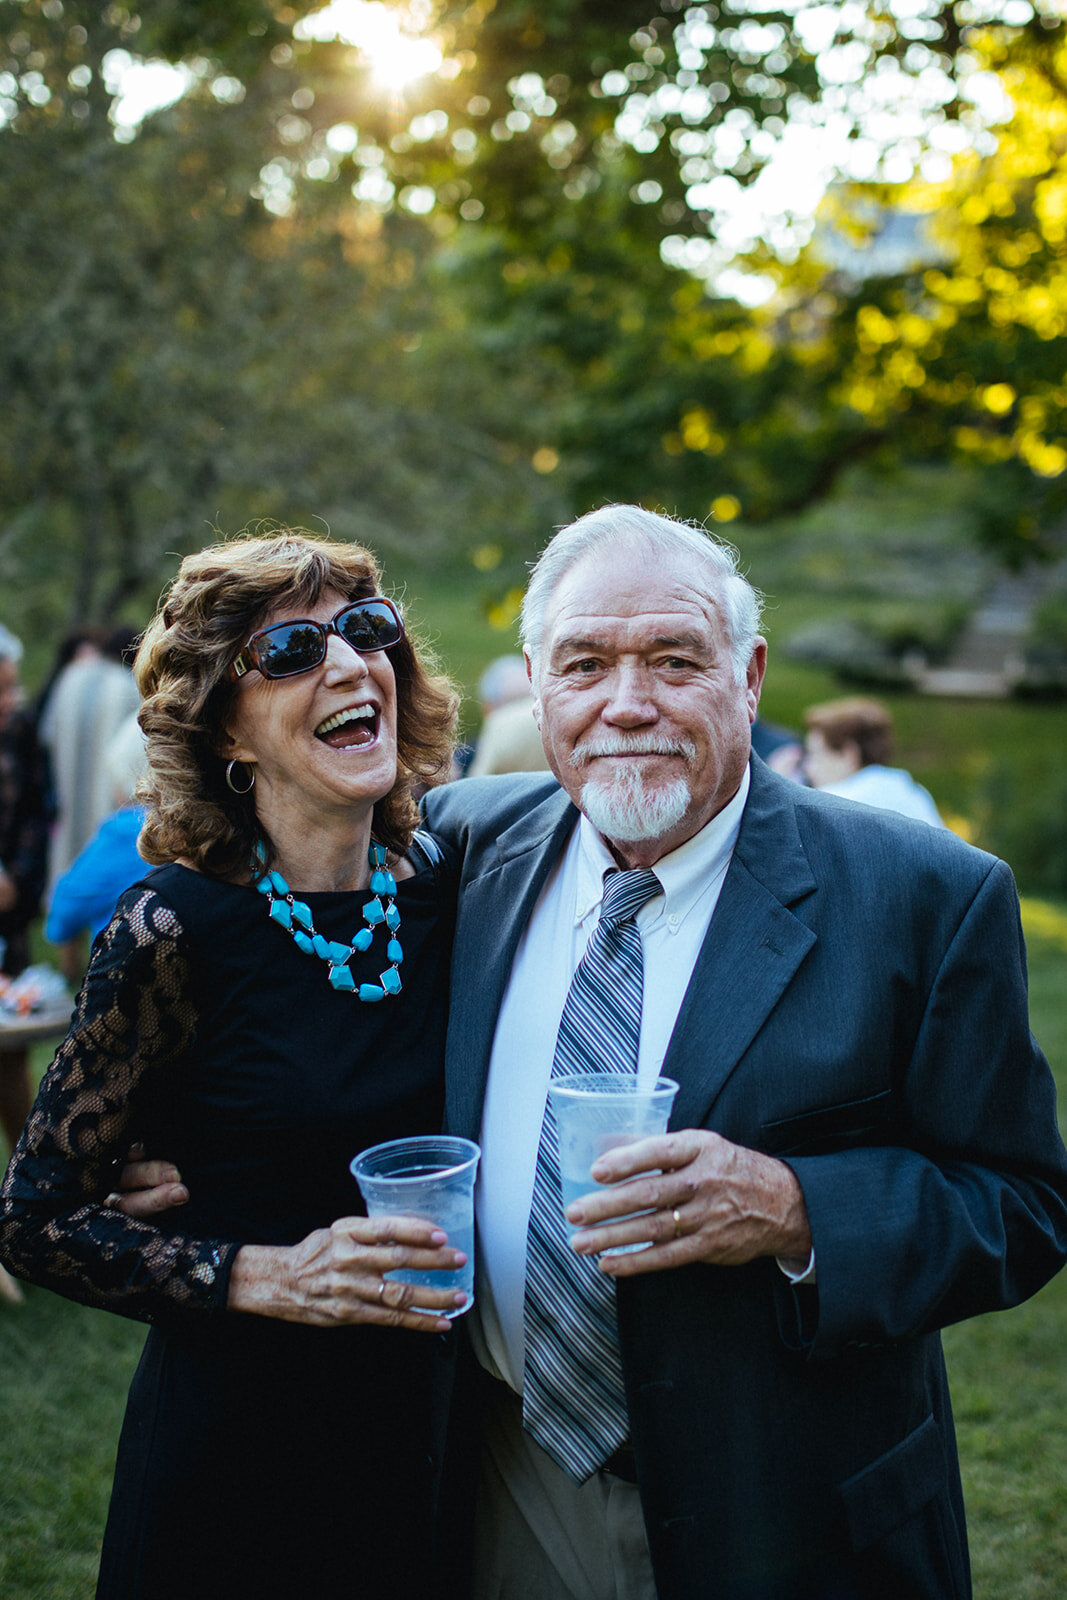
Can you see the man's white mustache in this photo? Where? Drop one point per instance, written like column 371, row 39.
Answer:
column 640, row 745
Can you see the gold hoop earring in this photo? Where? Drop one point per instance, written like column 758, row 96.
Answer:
column 251, row 777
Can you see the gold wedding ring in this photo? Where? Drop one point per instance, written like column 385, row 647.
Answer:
column 677, row 1224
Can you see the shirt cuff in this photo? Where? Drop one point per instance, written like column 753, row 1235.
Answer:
column 798, row 1271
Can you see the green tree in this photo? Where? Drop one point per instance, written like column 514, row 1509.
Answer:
column 599, row 142
column 177, row 351
column 962, row 355
column 445, row 318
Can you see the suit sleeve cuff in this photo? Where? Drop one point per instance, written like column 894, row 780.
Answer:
column 798, row 1271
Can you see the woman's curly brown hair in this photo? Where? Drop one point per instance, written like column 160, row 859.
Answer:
column 219, row 597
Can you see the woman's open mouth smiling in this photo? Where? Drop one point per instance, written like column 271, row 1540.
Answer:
column 354, row 728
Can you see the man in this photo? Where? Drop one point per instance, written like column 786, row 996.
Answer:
column 866, row 1146
column 841, row 999
column 848, row 746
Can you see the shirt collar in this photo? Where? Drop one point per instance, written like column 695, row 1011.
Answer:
column 685, row 875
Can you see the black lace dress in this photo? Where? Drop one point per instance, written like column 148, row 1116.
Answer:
column 258, row 1457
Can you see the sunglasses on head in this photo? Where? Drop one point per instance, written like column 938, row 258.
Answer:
column 288, row 648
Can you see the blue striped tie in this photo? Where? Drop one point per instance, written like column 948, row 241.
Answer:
column 573, row 1402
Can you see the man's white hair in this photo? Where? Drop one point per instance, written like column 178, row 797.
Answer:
column 660, row 535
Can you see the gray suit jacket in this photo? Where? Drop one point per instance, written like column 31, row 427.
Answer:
column 858, row 1009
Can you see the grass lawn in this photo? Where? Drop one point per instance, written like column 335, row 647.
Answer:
column 63, row 1377
column 64, row 1372
column 1009, row 1382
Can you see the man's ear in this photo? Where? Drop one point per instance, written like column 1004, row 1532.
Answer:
column 533, row 688
column 757, row 666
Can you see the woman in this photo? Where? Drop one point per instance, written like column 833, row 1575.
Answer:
column 244, row 1011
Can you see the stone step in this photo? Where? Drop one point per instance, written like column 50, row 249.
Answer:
column 998, row 651
column 988, row 658
column 964, row 684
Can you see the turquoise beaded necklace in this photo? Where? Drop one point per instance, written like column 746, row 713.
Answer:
column 295, row 917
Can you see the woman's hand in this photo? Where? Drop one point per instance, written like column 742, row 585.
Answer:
column 336, row 1276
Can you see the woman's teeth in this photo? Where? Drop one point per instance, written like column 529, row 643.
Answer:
column 352, row 727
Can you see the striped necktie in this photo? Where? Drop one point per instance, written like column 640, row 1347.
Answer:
column 573, row 1402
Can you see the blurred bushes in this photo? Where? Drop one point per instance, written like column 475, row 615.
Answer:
column 881, row 645
column 1022, row 817
column 1046, row 650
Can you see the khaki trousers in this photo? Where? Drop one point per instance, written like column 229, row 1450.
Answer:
column 541, row 1536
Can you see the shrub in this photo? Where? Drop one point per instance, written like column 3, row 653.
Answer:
column 1024, row 820
column 881, row 645
column 1045, row 651
column 1049, row 627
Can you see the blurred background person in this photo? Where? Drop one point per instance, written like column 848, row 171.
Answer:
column 510, row 741
column 85, row 896
column 502, row 686
column 24, row 819
column 847, row 750
column 90, row 700
column 79, row 644
column 780, row 748
column 503, row 680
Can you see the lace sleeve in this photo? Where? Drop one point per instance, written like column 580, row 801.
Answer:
column 134, row 1019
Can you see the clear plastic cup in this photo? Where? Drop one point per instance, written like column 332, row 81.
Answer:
column 429, row 1176
column 597, row 1111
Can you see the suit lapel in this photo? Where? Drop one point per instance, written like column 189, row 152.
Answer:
column 753, row 947
column 495, row 905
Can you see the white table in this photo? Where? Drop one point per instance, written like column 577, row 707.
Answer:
column 17, row 1033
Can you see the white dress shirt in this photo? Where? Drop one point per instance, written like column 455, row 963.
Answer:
column 892, row 789
column 672, row 925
